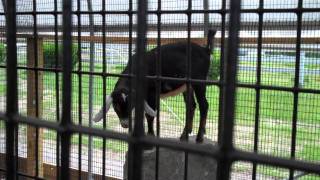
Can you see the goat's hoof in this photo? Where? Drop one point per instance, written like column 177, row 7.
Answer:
column 150, row 134
column 199, row 138
column 183, row 137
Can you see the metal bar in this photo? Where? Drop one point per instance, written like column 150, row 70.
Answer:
column 194, row 11
column 276, row 42
column 188, row 90
column 12, row 93
column 296, row 85
column 281, row 25
column 258, row 91
column 195, row 81
column 222, row 65
column 130, row 39
column 158, row 84
column 79, row 88
column 104, row 87
column 130, row 151
column 229, row 91
column 91, row 86
column 275, row 161
column 57, row 89
column 280, row 88
column 206, row 17
column 3, row 116
column 215, row 153
column 36, row 76
column 37, row 122
column 66, row 89
column 135, row 149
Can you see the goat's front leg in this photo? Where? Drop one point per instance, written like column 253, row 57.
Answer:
column 189, row 125
column 150, row 124
column 152, row 103
column 200, row 91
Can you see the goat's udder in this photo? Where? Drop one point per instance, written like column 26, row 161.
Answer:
column 175, row 92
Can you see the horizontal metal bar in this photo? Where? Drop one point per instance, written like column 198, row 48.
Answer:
column 268, row 25
column 279, row 88
column 276, row 161
column 184, row 80
column 104, row 133
column 3, row 116
column 37, row 122
column 277, row 42
column 177, row 145
column 40, row 123
column 28, row 176
column 184, row 11
column 73, row 72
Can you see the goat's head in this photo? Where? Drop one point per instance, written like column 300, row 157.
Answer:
column 121, row 105
column 120, row 100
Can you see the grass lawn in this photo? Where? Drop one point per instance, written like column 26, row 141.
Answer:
column 275, row 120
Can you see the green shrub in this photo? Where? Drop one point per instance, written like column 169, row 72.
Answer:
column 312, row 55
column 3, row 53
column 49, row 55
column 214, row 69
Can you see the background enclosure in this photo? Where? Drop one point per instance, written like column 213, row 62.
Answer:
column 277, row 87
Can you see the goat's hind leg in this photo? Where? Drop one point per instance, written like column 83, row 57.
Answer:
column 200, row 92
column 189, row 125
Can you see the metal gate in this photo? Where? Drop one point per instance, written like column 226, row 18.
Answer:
column 230, row 27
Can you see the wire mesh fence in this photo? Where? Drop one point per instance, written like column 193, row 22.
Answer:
column 277, row 86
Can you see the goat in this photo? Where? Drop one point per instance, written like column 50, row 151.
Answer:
column 173, row 64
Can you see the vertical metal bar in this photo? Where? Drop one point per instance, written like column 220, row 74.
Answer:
column 135, row 149
column 35, row 34
column 104, row 86
column 57, row 85
column 222, row 65
column 229, row 90
column 205, row 17
column 66, row 89
column 130, row 151
column 258, row 90
column 79, row 88
column 12, row 93
column 91, row 86
column 296, row 85
column 158, row 85
column 130, row 58
column 188, row 90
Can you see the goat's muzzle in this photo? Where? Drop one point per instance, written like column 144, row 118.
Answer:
column 124, row 123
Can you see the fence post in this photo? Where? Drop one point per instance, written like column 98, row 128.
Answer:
column 32, row 107
column 206, row 17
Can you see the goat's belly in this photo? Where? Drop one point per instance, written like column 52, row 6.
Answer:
column 174, row 92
